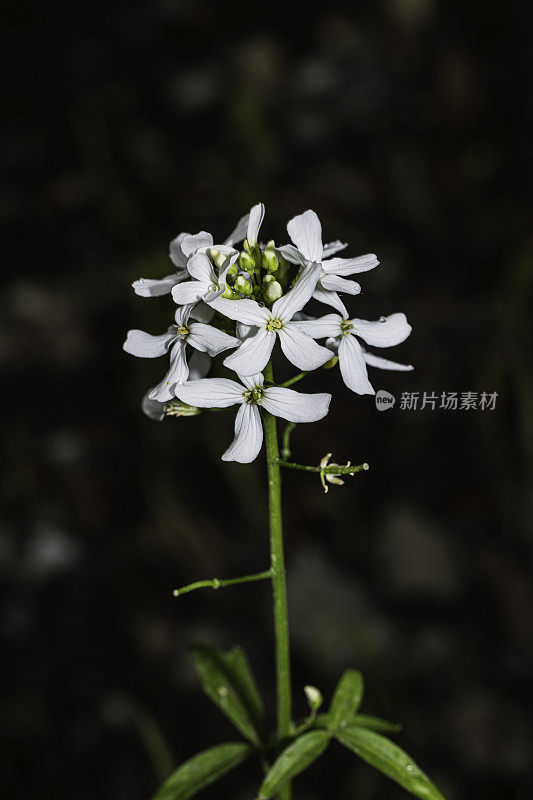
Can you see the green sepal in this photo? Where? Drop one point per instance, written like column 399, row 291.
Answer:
column 293, row 760
column 203, row 769
column 388, row 758
column 228, row 681
column 346, row 699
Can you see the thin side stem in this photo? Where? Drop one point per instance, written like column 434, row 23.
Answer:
column 332, row 469
column 278, row 578
column 295, row 379
column 286, row 440
column 216, row 583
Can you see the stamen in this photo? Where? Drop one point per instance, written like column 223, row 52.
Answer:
column 346, row 327
column 274, row 324
column 183, row 331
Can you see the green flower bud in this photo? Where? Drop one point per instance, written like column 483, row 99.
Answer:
column 314, row 697
column 282, row 273
column 229, row 294
column 243, row 286
column 273, row 291
column 231, row 274
column 331, row 363
column 269, row 258
column 268, row 279
column 176, row 408
column 246, row 262
column 217, row 257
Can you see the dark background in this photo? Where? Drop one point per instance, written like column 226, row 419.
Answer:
column 404, row 125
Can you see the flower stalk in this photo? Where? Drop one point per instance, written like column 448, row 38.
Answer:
column 220, row 583
column 279, row 582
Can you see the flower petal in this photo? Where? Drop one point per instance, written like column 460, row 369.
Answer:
column 211, row 393
column 251, row 381
column 153, row 408
column 189, row 292
column 248, row 435
column 201, row 268
column 305, row 231
column 332, row 283
column 175, row 253
column 292, row 254
column 245, row 331
column 384, row 363
column 352, row 366
column 202, row 312
column 257, row 214
column 349, row 266
column 145, row 345
column 333, row 247
column 209, row 339
column 148, row 287
column 320, row 328
column 300, row 349
column 247, row 311
column 239, row 231
column 386, row 332
column 182, row 314
column 330, row 299
column 199, row 365
column 178, row 373
column 192, row 242
column 253, row 354
column 295, row 406
column 286, row 307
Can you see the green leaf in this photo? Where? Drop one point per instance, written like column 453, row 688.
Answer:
column 390, row 759
column 376, row 724
column 293, row 760
column 203, row 769
column 226, row 678
column 347, row 699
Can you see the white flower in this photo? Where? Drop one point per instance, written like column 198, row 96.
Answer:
column 254, row 352
column 181, row 249
column 255, row 220
column 305, row 231
column 199, row 364
column 201, row 337
column 386, row 332
column 207, row 285
column 249, row 395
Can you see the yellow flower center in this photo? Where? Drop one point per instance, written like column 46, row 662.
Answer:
column 183, row 331
column 274, row 324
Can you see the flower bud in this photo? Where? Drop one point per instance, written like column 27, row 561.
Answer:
column 273, row 291
column 331, row 363
column 217, row 257
column 246, row 261
column 314, row 697
column 230, row 294
column 269, row 258
column 231, row 274
column 176, row 408
column 243, row 286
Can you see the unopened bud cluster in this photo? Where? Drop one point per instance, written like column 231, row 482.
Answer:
column 258, row 273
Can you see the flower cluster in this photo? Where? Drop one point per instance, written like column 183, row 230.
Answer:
column 247, row 298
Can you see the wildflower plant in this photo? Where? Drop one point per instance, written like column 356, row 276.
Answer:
column 241, row 300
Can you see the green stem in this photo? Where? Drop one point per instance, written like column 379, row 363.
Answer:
column 332, row 469
column 286, row 448
column 295, row 379
column 215, row 583
column 279, row 585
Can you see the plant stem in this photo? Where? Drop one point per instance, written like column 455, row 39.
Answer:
column 331, row 469
column 295, row 379
column 216, row 583
column 279, row 584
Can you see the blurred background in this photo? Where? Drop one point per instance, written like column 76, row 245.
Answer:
column 404, row 124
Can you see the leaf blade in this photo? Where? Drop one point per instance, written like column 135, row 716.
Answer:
column 293, row 760
column 202, row 769
column 217, row 675
column 346, row 699
column 376, row 723
column 391, row 760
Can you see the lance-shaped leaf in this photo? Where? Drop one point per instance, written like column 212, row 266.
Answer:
column 227, row 679
column 202, row 769
column 346, row 700
column 376, row 723
column 293, row 760
column 390, row 759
